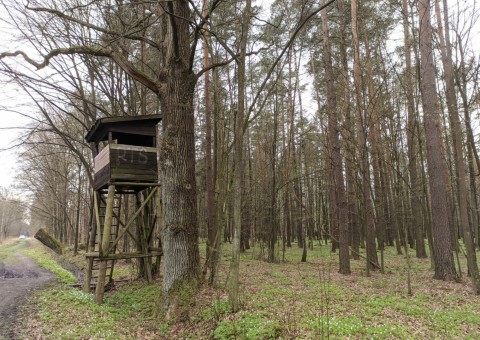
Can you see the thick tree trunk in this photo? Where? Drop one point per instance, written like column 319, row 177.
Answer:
column 437, row 167
column 177, row 164
column 177, row 156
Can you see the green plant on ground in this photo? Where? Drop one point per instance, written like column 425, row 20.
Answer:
column 217, row 309
column 9, row 248
column 45, row 260
column 248, row 325
column 287, row 300
column 126, row 314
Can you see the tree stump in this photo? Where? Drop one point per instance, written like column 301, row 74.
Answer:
column 49, row 241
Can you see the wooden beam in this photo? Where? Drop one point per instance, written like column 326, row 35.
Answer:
column 120, row 222
column 49, row 241
column 88, row 276
column 122, row 256
column 132, row 219
column 138, row 184
column 102, row 270
column 97, row 216
column 144, row 245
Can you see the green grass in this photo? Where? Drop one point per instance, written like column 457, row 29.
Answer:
column 9, row 247
column 34, row 250
column 248, row 326
column 67, row 313
column 46, row 260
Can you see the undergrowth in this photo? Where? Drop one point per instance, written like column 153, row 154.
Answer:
column 281, row 300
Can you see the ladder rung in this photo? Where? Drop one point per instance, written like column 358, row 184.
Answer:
column 108, row 268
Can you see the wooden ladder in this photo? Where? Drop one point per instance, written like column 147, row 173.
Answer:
column 102, row 209
column 96, row 238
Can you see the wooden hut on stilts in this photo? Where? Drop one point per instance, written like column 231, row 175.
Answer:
column 125, row 166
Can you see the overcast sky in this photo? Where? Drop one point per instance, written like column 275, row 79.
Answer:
column 11, row 99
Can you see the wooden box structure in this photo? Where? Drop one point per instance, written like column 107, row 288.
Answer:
column 125, row 165
column 118, row 163
column 130, row 155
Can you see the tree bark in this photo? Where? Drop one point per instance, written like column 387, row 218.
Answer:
column 341, row 208
column 437, row 167
column 368, row 218
column 412, row 145
column 209, row 169
column 49, row 241
column 457, row 140
column 177, row 164
column 239, row 166
column 177, row 156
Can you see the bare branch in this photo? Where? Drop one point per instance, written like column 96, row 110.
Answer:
column 98, row 28
column 277, row 60
column 132, row 71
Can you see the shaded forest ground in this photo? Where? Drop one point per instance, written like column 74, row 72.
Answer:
column 283, row 300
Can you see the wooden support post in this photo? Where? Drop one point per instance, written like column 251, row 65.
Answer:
column 91, row 243
column 159, row 221
column 105, row 243
column 96, row 203
column 142, row 246
column 88, row 276
column 147, row 261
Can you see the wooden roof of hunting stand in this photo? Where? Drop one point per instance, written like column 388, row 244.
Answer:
column 129, row 159
column 130, row 130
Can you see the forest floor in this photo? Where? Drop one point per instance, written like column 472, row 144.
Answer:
column 284, row 300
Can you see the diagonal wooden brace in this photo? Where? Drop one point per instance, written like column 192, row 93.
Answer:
column 132, row 219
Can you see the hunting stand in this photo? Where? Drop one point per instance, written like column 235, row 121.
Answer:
column 125, row 165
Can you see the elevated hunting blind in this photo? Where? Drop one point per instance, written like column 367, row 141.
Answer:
column 130, row 154
column 125, row 164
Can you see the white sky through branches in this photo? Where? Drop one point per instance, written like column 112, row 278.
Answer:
column 14, row 104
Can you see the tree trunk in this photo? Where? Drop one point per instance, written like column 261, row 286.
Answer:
column 457, row 140
column 49, row 241
column 177, row 156
column 437, row 168
column 177, row 164
column 239, row 166
column 412, row 145
column 209, row 169
column 349, row 137
column 341, row 208
column 368, row 218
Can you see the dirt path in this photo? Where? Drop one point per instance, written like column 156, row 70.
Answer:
column 19, row 277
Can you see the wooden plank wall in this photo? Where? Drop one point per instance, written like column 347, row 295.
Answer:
column 125, row 163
